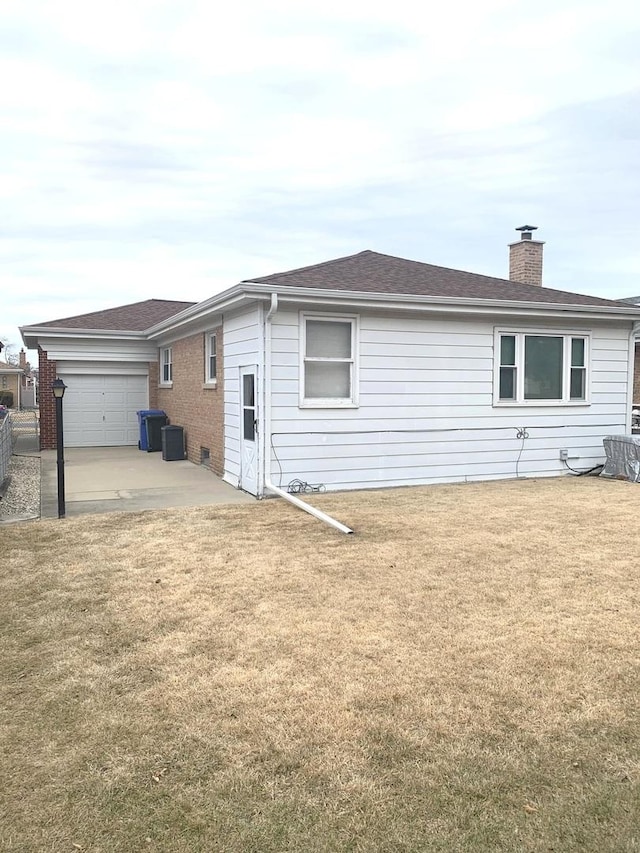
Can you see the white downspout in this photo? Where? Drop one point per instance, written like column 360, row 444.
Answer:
column 322, row 516
column 635, row 331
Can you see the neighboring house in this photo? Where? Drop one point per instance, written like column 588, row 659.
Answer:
column 11, row 381
column 360, row 372
column 28, row 383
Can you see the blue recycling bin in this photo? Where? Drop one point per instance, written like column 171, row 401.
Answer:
column 143, row 414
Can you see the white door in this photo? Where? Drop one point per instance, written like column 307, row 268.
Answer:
column 248, row 431
column 100, row 411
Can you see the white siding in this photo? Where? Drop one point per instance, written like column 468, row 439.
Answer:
column 99, row 349
column 426, row 409
column 243, row 346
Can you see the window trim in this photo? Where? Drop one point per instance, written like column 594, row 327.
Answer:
column 520, row 334
column 330, row 402
column 166, row 383
column 209, row 380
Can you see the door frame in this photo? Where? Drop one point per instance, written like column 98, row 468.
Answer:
column 246, row 370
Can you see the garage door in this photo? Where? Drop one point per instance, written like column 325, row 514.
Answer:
column 100, row 411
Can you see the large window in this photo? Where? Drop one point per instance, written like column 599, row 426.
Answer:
column 328, row 361
column 211, row 359
column 166, row 366
column 541, row 368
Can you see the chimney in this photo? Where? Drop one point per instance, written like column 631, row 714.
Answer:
column 525, row 257
column 23, row 359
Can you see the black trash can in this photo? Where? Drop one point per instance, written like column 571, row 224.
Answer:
column 143, row 414
column 172, row 443
column 154, row 425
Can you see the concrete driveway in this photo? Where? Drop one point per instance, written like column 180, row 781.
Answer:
column 125, row 479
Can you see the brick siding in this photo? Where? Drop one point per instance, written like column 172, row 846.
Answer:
column 188, row 404
column 154, row 372
column 47, row 402
column 525, row 262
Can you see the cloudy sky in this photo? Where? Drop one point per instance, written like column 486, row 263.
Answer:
column 170, row 148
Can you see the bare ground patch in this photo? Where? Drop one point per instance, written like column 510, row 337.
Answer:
column 462, row 674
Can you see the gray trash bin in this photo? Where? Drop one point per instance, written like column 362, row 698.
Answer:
column 172, row 443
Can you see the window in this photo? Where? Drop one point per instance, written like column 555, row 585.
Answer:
column 328, row 361
column 541, row 367
column 166, row 366
column 248, row 407
column 211, row 357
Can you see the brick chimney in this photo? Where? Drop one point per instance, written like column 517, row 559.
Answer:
column 23, row 359
column 525, row 257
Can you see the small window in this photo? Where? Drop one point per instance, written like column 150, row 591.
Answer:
column 211, row 359
column 578, row 378
column 508, row 367
column 248, row 407
column 542, row 368
column 328, row 364
column 166, row 366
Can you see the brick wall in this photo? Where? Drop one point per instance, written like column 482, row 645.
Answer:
column 525, row 261
column 47, row 402
column 188, row 404
column 154, row 371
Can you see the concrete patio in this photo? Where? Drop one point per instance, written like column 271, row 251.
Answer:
column 125, row 479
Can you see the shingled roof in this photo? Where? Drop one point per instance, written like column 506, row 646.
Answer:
column 136, row 317
column 372, row 272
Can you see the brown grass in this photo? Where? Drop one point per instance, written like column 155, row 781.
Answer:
column 460, row 675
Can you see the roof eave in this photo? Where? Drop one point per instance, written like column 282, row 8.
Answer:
column 31, row 334
column 456, row 303
column 245, row 291
column 230, row 298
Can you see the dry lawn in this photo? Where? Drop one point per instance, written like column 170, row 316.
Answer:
column 460, row 675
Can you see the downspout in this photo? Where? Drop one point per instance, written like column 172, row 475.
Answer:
column 633, row 334
column 321, row 516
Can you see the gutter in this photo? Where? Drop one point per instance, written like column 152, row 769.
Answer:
column 316, row 513
column 214, row 304
column 31, row 335
column 371, row 299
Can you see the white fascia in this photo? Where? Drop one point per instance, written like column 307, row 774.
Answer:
column 443, row 304
column 31, row 334
column 202, row 311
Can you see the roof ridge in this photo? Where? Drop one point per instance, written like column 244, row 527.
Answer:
column 473, row 274
column 310, row 267
column 176, row 301
column 134, row 316
column 402, row 260
column 409, row 276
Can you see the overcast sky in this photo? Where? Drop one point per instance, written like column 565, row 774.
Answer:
column 171, row 149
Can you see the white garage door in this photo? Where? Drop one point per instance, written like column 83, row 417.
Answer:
column 100, row 411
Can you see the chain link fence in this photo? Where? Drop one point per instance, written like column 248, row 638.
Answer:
column 19, row 433
column 6, row 448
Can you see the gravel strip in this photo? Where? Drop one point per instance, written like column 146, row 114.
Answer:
column 22, row 499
